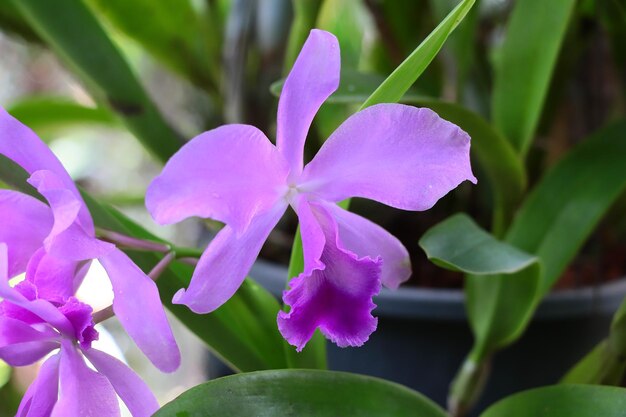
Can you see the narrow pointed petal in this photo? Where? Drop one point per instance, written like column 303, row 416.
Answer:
column 400, row 155
column 42, row 394
column 337, row 299
column 83, row 392
column 313, row 239
column 21, row 344
column 131, row 389
column 138, row 307
column 68, row 238
column 228, row 174
column 313, row 78
column 20, row 144
column 29, row 224
column 364, row 238
column 225, row 263
column 41, row 308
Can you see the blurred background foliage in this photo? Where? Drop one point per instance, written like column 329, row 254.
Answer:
column 529, row 80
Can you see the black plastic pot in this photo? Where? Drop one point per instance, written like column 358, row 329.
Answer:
column 423, row 336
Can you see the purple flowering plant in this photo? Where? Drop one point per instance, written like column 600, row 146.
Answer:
column 54, row 233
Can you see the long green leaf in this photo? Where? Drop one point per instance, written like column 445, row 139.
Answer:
column 291, row 393
column 172, row 31
column 562, row 401
column 522, row 76
column 48, row 115
column 401, row 79
column 75, row 34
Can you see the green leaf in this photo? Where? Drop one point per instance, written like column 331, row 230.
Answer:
column 461, row 245
column 172, row 31
column 304, row 18
column 11, row 21
column 562, row 401
column 401, row 79
column 5, row 373
column 300, row 393
column 48, row 115
column 522, row 75
column 75, row 34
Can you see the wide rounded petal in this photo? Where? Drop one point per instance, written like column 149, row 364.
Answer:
column 128, row 385
column 68, row 238
column 21, row 344
column 82, row 392
column 313, row 78
column 41, row 308
column 26, row 223
column 225, row 263
column 20, row 144
column 228, row 174
column 43, row 393
column 364, row 238
column 336, row 299
column 138, row 307
column 402, row 156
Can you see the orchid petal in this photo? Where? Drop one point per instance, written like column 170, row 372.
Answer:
column 364, row 238
column 29, row 224
column 68, row 239
column 136, row 297
column 21, row 344
column 228, row 174
column 313, row 239
column 41, row 308
column 225, row 263
column 83, row 392
column 42, row 394
column 337, row 299
column 20, row 144
column 56, row 279
column 400, row 155
column 128, row 385
column 313, row 78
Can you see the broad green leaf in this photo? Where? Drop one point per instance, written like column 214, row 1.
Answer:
column 48, row 115
column 534, row 35
column 461, row 245
column 304, row 18
column 242, row 332
column 401, row 79
column 5, row 373
column 301, row 393
column 172, row 31
column 562, row 401
column 342, row 19
column 75, row 34
column 11, row 21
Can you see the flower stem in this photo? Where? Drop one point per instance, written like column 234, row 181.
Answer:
column 129, row 242
column 154, row 274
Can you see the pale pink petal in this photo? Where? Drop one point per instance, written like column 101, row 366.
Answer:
column 42, row 394
column 68, row 238
column 128, row 385
column 400, row 155
column 337, row 299
column 364, row 238
column 226, row 262
column 138, row 307
column 313, row 78
column 21, row 344
column 20, row 144
column 228, row 174
column 82, row 392
column 25, row 223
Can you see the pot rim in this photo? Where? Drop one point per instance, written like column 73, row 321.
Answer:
column 449, row 304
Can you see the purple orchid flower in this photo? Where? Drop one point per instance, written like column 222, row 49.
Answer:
column 31, row 327
column 400, row 155
column 55, row 243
